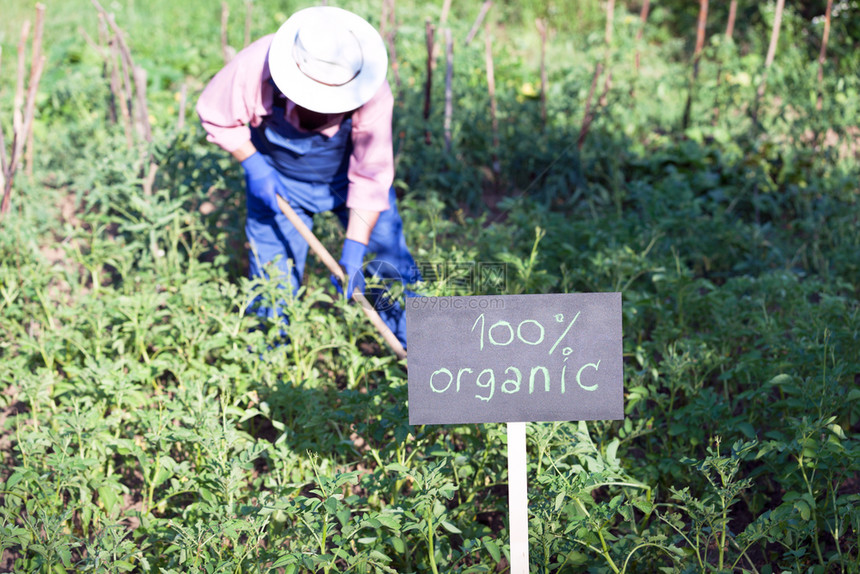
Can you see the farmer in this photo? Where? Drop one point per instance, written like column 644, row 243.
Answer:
column 307, row 112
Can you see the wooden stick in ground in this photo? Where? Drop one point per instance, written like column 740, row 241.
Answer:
column 131, row 92
column 588, row 116
column 248, row 9
column 428, row 85
column 143, row 111
column 491, row 89
column 142, row 107
column 92, row 44
column 476, row 26
column 701, row 25
column 334, row 267
column 446, row 8
column 105, row 50
column 607, row 85
column 383, row 18
column 697, row 54
column 541, row 26
column 449, row 77
column 125, row 88
column 388, row 30
column 225, row 47
column 822, row 55
column 30, row 107
column 3, row 160
column 124, row 50
column 118, row 91
column 22, row 118
column 183, row 99
column 443, row 19
column 35, row 57
column 643, row 17
column 19, row 137
column 18, row 99
column 730, row 30
column 771, row 53
column 103, row 33
column 730, row 25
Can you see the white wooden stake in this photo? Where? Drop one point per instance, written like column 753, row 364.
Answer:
column 518, row 502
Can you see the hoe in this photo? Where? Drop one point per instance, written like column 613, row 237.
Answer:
column 322, row 253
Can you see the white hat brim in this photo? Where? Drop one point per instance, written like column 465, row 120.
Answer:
column 313, row 95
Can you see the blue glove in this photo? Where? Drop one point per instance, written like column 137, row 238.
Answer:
column 262, row 181
column 351, row 259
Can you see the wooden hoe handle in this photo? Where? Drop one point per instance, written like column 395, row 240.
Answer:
column 322, row 253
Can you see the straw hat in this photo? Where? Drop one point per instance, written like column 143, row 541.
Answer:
column 328, row 60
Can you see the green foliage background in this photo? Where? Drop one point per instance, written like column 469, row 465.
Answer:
column 149, row 425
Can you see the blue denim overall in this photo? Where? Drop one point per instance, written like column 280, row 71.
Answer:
column 313, row 168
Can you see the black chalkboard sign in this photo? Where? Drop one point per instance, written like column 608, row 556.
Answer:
column 515, row 358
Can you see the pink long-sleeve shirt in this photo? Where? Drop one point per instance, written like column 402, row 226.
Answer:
column 240, row 95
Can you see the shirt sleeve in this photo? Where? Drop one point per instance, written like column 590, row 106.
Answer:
column 371, row 166
column 238, row 95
